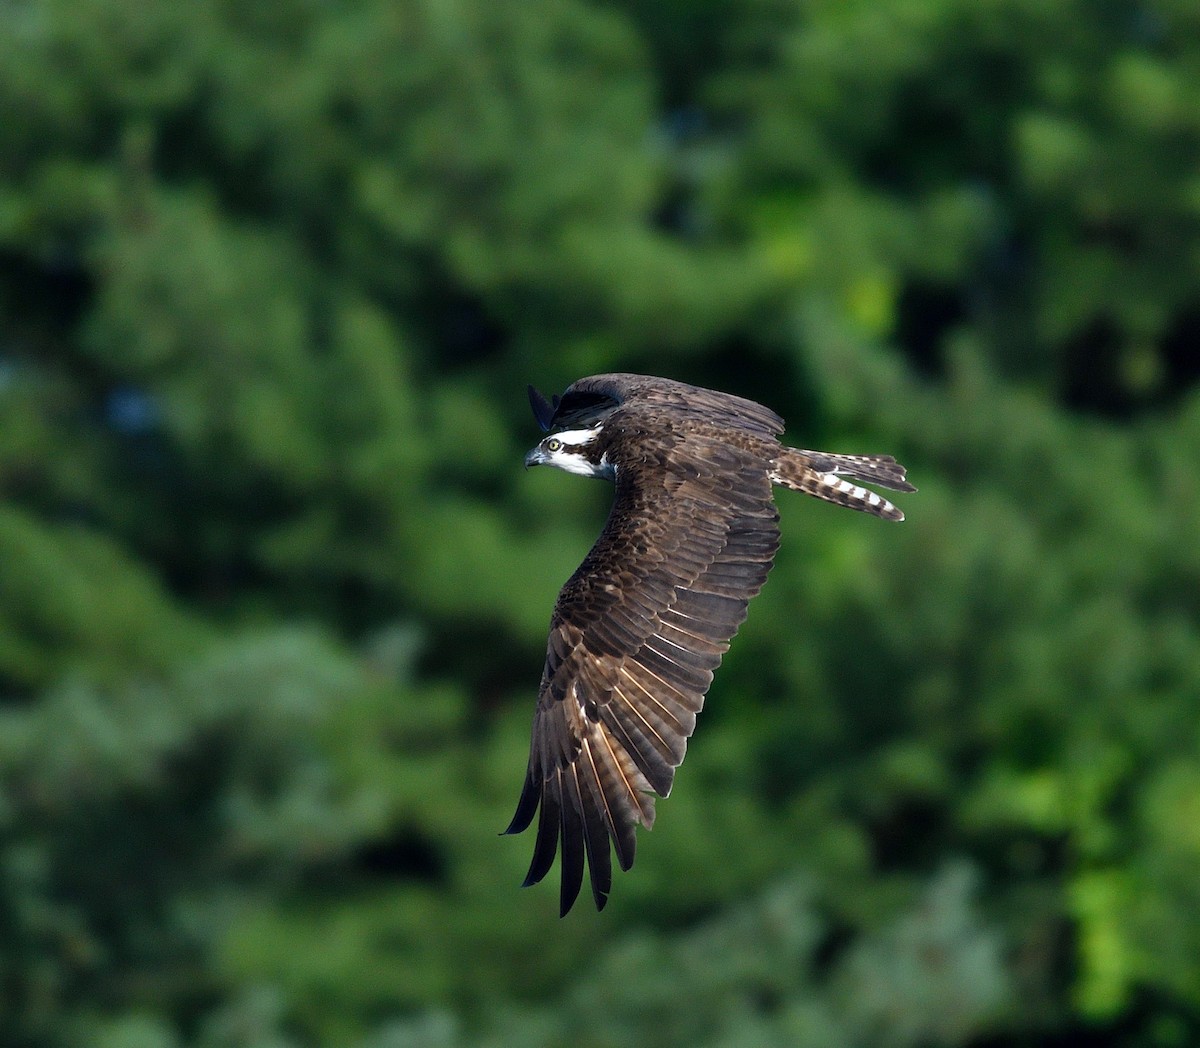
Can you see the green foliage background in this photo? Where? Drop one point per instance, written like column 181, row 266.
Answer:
column 274, row 588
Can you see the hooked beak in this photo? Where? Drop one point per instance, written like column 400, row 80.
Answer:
column 535, row 458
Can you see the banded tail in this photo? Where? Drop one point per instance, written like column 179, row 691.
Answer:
column 822, row 475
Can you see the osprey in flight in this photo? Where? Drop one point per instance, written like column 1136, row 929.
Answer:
column 642, row 624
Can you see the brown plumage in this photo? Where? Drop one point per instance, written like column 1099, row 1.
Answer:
column 641, row 626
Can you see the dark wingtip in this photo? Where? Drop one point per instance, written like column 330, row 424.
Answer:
column 543, row 410
column 569, row 891
column 526, row 806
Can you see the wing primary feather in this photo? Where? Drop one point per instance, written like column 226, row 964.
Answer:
column 595, row 835
column 546, row 844
column 573, row 835
column 596, row 787
column 526, row 806
column 622, row 831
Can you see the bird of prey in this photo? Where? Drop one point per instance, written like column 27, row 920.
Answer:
column 642, row 624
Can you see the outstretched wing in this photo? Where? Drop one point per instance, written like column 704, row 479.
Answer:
column 634, row 639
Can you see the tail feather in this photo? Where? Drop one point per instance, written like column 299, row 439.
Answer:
column 821, row 475
column 874, row 469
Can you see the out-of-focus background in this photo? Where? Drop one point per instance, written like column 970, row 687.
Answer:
column 274, row 586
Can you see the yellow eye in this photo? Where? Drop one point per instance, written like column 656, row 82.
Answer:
column 553, row 444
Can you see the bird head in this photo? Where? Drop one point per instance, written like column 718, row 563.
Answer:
column 573, row 450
